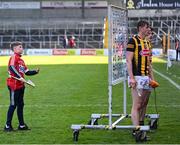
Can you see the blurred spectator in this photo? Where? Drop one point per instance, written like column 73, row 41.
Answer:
column 65, row 42
column 72, row 42
column 177, row 47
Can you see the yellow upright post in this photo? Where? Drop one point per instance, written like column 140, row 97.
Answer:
column 105, row 42
column 168, row 42
column 164, row 43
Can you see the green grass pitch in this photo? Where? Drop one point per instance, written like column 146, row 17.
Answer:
column 70, row 88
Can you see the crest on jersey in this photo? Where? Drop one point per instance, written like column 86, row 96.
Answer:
column 21, row 68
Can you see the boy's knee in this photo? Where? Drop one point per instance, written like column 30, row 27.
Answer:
column 12, row 107
column 20, row 105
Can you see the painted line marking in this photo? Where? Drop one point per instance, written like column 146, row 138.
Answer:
column 167, row 78
column 93, row 105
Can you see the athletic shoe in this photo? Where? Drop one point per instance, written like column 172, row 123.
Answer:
column 141, row 136
column 23, row 127
column 133, row 132
column 8, row 128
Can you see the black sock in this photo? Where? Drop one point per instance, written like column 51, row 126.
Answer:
column 141, row 122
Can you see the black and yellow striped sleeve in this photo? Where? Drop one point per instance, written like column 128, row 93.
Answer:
column 131, row 45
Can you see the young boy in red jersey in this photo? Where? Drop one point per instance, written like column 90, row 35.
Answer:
column 17, row 69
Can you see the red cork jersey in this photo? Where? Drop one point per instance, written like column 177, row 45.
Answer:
column 18, row 63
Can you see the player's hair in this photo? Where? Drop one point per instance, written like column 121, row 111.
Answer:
column 14, row 44
column 152, row 30
column 142, row 23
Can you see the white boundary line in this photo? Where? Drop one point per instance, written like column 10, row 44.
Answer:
column 167, row 78
column 92, row 105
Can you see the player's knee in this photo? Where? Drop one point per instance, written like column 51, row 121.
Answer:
column 144, row 104
column 20, row 105
column 137, row 107
column 12, row 107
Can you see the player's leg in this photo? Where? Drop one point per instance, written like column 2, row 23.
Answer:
column 136, row 106
column 12, row 107
column 145, row 95
column 135, row 114
column 177, row 54
column 20, row 108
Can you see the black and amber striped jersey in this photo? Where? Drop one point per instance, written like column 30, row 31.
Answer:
column 150, row 48
column 142, row 55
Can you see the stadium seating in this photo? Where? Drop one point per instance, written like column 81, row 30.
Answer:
column 88, row 34
column 45, row 28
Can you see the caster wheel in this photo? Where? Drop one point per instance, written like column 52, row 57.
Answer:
column 153, row 124
column 140, row 136
column 75, row 135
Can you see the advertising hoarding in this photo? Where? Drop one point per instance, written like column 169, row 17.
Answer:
column 153, row 4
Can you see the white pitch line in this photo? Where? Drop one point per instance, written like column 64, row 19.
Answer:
column 92, row 105
column 167, row 78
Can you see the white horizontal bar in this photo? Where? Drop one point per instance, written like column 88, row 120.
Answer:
column 81, row 126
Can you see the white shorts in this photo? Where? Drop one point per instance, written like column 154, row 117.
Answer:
column 142, row 82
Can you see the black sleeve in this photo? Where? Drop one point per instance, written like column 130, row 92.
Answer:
column 13, row 70
column 131, row 45
column 31, row 72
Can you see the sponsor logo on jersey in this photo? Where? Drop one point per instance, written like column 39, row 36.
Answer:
column 145, row 52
